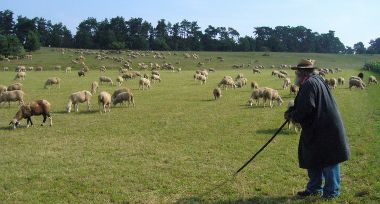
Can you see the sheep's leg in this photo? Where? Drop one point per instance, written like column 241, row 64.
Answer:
column 50, row 119
column 44, row 120
column 76, row 107
column 30, row 120
column 88, row 105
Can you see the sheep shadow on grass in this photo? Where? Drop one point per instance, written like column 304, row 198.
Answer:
column 271, row 131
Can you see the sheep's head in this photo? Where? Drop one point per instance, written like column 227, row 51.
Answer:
column 250, row 102
column 279, row 100
column 14, row 123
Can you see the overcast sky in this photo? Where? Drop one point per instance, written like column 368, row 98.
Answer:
column 352, row 21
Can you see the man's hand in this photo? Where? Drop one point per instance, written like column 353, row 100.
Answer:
column 288, row 113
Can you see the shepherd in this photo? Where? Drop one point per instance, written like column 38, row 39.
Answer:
column 323, row 143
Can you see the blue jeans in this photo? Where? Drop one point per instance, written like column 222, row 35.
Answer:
column 330, row 174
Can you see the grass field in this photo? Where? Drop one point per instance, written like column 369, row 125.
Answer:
column 177, row 143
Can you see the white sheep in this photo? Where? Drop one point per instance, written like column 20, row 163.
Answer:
column 226, row 82
column 68, row 69
column 355, row 82
column 20, row 76
column 286, row 83
column 271, row 95
column 78, row 97
column 372, row 80
column 94, row 87
column 12, row 96
column 104, row 79
column 104, row 100
column 53, row 81
column 254, row 85
column 201, row 78
column 15, row 86
column 340, row 81
column 144, row 83
column 2, row 89
column 155, row 78
column 291, row 123
column 255, row 96
column 255, row 70
column 119, row 80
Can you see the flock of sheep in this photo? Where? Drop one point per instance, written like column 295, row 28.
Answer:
column 14, row 93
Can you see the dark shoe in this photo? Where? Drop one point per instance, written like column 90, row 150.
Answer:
column 307, row 193
column 328, row 197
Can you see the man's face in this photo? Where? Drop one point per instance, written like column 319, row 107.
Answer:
column 299, row 78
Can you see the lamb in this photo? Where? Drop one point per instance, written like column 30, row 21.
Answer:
column 201, row 78
column 372, row 80
column 340, row 81
column 53, row 81
column 155, row 78
column 294, row 89
column 332, row 83
column 120, row 90
column 2, row 89
column 355, row 82
column 15, row 86
column 12, row 96
column 68, row 69
column 255, row 96
column 255, row 70
column 104, row 100
column 217, row 92
column 144, row 83
column 271, row 95
column 39, row 107
column 296, row 126
column 254, row 85
column 94, row 87
column 286, row 83
column 20, row 76
column 104, row 79
column 78, row 97
column 124, row 96
column 119, row 80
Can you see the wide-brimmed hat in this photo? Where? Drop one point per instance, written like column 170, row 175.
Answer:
column 305, row 64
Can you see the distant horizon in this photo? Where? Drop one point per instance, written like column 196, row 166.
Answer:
column 349, row 28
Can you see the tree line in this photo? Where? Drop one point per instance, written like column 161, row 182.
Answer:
column 137, row 34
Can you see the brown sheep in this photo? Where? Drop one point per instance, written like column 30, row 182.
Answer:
column 39, row 107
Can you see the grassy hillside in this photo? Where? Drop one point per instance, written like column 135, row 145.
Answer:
column 177, row 143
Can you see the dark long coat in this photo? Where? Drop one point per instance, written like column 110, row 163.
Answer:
column 323, row 140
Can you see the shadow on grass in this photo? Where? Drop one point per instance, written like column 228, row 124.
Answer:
column 208, row 100
column 80, row 112
column 284, row 131
column 255, row 199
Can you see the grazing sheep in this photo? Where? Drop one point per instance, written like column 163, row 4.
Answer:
column 30, row 68
column 68, row 69
column 254, row 85
column 104, row 79
column 155, row 72
column 144, row 83
column 255, row 70
column 5, row 69
column 201, row 78
column 204, row 73
column 20, row 76
column 226, row 82
column 12, row 96
column 241, row 82
column 286, row 83
column 217, row 92
column 124, row 96
column 211, row 70
column 284, row 72
column 78, row 97
column 332, row 83
column 355, row 82
column 340, row 81
column 275, row 73
column 53, row 81
column 120, row 90
column 2, row 89
column 94, row 87
column 119, row 80
column 81, row 73
column 240, row 75
column 271, row 95
column 39, row 107
column 155, row 78
column 15, row 86
column 281, row 76
column 104, row 100
column 297, row 126
column 57, row 68
column 39, row 69
column 102, row 69
column 371, row 80
column 294, row 89
column 255, row 96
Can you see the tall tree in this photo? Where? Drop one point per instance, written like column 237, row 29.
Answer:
column 359, row 48
column 32, row 41
column 6, row 22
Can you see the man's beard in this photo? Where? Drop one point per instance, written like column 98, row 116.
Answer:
column 298, row 80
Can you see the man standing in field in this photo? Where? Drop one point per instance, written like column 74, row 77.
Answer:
column 323, row 142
